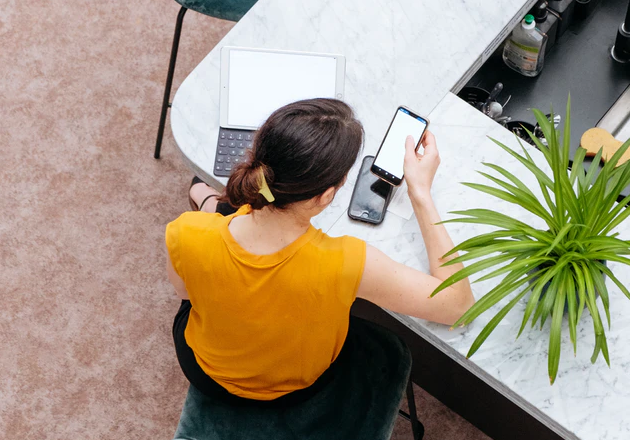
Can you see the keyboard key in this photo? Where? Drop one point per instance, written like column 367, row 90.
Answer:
column 220, row 159
column 241, row 153
column 228, row 168
column 233, row 152
column 239, row 136
column 231, row 136
column 219, row 167
column 240, row 144
column 231, row 144
column 248, row 137
column 222, row 143
column 222, row 135
column 223, row 151
column 249, row 145
column 237, row 160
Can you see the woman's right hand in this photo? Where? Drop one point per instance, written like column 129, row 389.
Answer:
column 402, row 289
column 420, row 168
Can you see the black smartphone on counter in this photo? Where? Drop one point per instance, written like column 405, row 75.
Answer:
column 371, row 195
column 390, row 158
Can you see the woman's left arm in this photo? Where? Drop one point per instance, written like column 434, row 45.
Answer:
column 176, row 281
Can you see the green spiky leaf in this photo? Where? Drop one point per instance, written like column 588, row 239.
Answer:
column 561, row 266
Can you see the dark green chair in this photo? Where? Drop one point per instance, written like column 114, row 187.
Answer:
column 232, row 10
column 361, row 401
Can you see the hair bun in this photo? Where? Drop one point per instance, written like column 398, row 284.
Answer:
column 243, row 186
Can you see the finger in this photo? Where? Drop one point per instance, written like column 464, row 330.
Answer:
column 410, row 148
column 429, row 144
column 428, row 138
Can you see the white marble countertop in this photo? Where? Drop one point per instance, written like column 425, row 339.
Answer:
column 397, row 52
column 414, row 53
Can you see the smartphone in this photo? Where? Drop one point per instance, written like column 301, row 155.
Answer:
column 390, row 158
column 371, row 195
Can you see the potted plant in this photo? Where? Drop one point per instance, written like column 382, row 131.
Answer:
column 559, row 269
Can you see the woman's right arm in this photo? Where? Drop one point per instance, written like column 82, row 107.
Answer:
column 402, row 289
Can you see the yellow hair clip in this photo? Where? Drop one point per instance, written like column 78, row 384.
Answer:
column 264, row 188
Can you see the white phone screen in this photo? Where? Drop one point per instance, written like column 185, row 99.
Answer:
column 391, row 156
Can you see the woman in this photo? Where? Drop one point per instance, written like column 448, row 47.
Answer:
column 269, row 294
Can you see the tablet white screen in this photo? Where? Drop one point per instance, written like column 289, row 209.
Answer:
column 261, row 82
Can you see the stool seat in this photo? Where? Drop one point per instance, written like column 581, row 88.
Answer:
column 360, row 402
column 232, row 10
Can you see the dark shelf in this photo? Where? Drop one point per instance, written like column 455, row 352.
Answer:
column 579, row 63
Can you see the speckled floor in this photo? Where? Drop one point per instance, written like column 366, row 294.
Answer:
column 85, row 344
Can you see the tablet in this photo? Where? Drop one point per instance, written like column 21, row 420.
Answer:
column 256, row 82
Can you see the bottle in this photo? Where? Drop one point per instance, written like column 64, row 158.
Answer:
column 524, row 50
column 539, row 11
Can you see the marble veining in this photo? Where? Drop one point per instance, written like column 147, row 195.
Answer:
column 587, row 401
column 398, row 52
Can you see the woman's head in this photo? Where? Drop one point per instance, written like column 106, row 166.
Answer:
column 303, row 149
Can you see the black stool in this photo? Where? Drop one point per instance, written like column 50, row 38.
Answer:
column 232, row 10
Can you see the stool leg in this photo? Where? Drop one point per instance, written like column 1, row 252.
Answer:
column 169, row 81
column 416, row 427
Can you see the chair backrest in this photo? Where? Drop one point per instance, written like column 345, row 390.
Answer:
column 232, row 10
column 360, row 401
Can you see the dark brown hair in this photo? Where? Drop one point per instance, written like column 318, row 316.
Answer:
column 303, row 149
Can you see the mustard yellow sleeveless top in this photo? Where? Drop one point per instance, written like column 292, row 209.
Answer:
column 264, row 325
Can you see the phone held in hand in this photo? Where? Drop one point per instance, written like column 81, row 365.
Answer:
column 389, row 161
column 370, row 197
